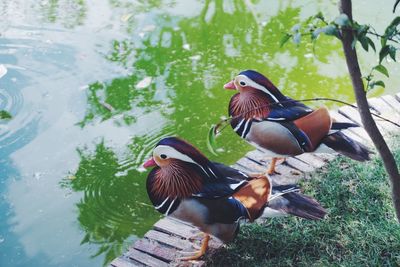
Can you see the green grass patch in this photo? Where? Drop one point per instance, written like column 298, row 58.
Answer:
column 360, row 229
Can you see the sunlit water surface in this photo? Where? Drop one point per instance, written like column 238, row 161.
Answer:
column 93, row 85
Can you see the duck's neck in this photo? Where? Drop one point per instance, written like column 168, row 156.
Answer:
column 250, row 105
column 176, row 181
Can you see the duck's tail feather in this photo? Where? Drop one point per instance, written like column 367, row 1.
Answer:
column 346, row 146
column 289, row 200
column 343, row 125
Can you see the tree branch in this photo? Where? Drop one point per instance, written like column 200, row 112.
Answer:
column 369, row 124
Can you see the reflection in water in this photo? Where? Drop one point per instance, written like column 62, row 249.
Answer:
column 70, row 13
column 113, row 206
column 21, row 130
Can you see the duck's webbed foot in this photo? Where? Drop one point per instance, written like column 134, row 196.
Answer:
column 197, row 254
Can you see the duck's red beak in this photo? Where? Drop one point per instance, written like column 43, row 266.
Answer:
column 150, row 163
column 230, row 86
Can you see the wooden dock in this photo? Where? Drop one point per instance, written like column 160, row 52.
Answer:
column 161, row 245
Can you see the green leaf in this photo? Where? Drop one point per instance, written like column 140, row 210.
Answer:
column 383, row 53
column 390, row 31
column 211, row 140
column 382, row 70
column 284, row 39
column 371, row 43
column 362, row 29
column 319, row 15
column 4, row 115
column 342, row 20
column 380, row 83
column 395, row 22
column 383, row 41
column 372, row 84
column 364, row 42
column 392, row 52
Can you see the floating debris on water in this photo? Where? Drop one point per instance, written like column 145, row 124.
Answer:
column 3, row 70
column 196, row 57
column 144, row 83
column 37, row 175
column 72, row 177
column 107, row 106
column 126, row 17
column 149, row 28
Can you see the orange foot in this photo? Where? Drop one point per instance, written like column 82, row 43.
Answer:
column 197, row 254
column 271, row 170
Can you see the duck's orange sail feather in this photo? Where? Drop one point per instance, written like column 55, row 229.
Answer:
column 315, row 125
column 254, row 196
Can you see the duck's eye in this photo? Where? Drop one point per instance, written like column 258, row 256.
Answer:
column 163, row 156
column 242, row 83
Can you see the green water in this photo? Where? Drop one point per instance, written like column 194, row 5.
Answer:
column 93, row 85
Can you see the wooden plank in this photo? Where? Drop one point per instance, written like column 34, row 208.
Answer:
column 286, row 175
column 351, row 113
column 241, row 168
column 393, row 102
column 258, row 156
column 385, row 111
column 169, row 240
column 252, row 165
column 174, row 227
column 145, row 259
column 397, row 96
column 326, row 156
column 155, row 249
column 197, row 263
column 380, row 105
column 122, row 262
column 358, row 131
column 299, row 165
column 311, row 160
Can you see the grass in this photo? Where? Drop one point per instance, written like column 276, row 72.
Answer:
column 360, row 229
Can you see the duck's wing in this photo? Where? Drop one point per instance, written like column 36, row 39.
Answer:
column 254, row 196
column 290, row 110
column 229, row 181
column 308, row 130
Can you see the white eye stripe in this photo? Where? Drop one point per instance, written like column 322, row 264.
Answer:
column 257, row 86
column 171, row 152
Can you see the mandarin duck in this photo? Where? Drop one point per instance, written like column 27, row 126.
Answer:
column 281, row 126
column 213, row 197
